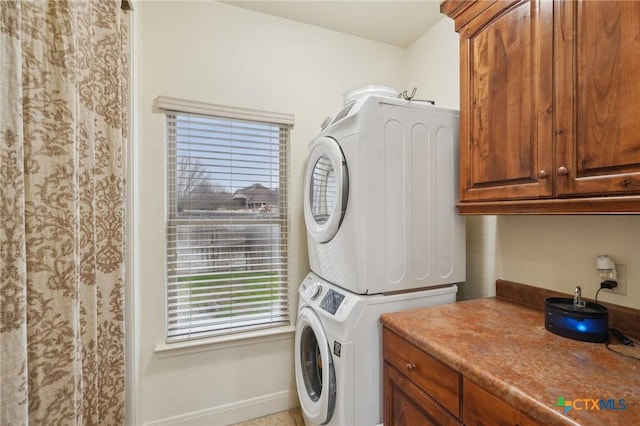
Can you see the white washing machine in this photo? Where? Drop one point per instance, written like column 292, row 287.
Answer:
column 338, row 349
column 381, row 185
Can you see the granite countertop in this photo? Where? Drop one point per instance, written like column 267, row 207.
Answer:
column 503, row 347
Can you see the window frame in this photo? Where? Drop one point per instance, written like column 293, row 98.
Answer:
column 172, row 106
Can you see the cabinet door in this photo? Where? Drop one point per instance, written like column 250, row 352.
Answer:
column 405, row 404
column 482, row 408
column 432, row 376
column 598, row 97
column 506, row 132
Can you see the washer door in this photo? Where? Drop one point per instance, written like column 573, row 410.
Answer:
column 326, row 189
column 315, row 374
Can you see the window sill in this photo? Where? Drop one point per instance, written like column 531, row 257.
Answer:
column 166, row 350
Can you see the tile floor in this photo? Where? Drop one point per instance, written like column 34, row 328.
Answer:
column 283, row 418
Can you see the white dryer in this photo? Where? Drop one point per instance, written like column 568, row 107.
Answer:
column 338, row 349
column 381, row 185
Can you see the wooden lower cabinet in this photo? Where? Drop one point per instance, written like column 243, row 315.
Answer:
column 482, row 408
column 421, row 390
column 434, row 378
column 407, row 405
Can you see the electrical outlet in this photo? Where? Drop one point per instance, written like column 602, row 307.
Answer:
column 621, row 278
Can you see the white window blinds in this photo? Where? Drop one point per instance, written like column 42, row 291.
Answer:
column 227, row 226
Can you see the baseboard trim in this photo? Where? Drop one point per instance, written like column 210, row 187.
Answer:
column 236, row 412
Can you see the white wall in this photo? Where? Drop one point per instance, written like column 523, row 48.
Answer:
column 559, row 252
column 433, row 63
column 554, row 252
column 216, row 53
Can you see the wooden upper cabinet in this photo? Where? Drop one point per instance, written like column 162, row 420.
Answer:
column 506, row 125
column 550, row 106
column 598, row 97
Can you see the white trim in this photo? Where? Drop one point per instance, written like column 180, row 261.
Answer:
column 236, row 412
column 132, row 339
column 165, row 350
column 183, row 105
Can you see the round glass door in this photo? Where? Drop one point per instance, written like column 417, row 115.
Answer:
column 326, row 189
column 315, row 375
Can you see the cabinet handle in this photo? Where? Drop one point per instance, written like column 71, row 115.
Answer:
column 411, row 366
column 563, row 171
column 543, row 174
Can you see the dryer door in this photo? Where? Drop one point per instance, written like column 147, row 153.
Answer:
column 326, row 189
column 315, row 374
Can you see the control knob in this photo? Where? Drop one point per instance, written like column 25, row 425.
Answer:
column 314, row 291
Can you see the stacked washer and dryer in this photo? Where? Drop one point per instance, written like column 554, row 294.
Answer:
column 383, row 236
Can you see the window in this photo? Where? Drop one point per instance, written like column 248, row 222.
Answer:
column 227, row 226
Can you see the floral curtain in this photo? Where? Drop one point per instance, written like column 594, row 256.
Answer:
column 63, row 130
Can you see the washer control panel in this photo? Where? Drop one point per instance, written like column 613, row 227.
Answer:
column 331, row 301
column 326, row 298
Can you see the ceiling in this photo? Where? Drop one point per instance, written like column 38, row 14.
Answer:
column 395, row 22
